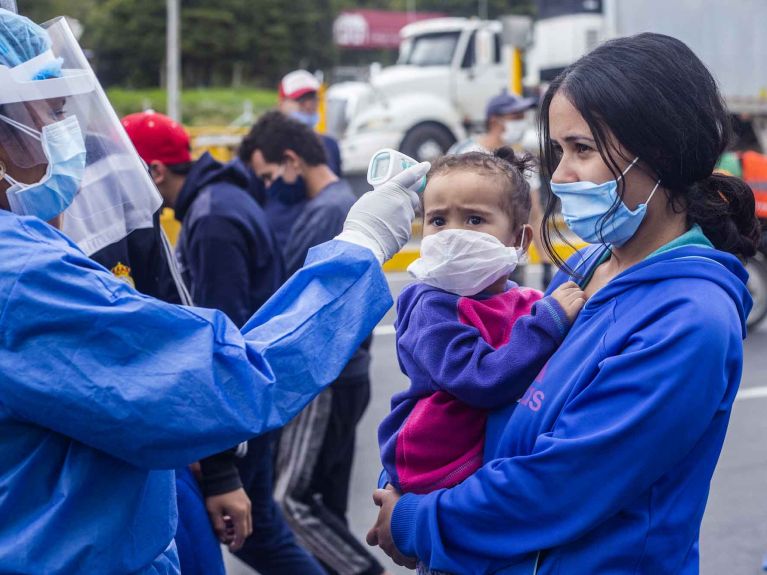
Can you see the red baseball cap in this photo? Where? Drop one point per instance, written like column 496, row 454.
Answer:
column 158, row 138
column 297, row 84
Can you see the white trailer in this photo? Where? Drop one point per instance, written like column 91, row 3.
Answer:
column 728, row 35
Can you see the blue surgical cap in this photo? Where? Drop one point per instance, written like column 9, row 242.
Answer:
column 21, row 40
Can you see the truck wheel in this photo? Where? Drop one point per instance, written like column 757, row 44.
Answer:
column 757, row 286
column 427, row 142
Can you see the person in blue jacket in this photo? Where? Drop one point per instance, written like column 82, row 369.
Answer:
column 604, row 465
column 105, row 391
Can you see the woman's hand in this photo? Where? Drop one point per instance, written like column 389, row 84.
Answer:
column 380, row 533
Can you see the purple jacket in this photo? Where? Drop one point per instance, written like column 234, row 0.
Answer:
column 452, row 349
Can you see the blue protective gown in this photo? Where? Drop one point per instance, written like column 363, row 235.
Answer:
column 104, row 391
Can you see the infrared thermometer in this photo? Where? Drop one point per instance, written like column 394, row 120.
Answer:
column 386, row 164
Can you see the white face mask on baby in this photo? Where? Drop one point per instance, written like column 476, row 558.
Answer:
column 463, row 262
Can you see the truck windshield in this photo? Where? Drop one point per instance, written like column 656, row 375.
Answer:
column 554, row 8
column 430, row 49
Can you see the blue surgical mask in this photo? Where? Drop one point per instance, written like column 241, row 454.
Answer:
column 310, row 120
column 584, row 205
column 64, row 148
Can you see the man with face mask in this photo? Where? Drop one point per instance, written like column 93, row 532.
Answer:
column 316, row 449
column 299, row 99
column 505, row 125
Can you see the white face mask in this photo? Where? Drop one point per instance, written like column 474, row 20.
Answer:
column 513, row 131
column 463, row 262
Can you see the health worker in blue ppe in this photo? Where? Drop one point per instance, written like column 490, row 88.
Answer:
column 104, row 391
column 605, row 462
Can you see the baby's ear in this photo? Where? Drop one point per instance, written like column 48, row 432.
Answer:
column 524, row 237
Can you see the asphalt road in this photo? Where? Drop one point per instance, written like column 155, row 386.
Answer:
column 734, row 534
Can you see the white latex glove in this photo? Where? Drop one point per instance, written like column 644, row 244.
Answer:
column 381, row 219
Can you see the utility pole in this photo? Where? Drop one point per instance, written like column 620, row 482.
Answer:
column 410, row 10
column 483, row 9
column 516, row 34
column 173, row 60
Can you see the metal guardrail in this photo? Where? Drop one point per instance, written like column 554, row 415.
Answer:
column 221, row 141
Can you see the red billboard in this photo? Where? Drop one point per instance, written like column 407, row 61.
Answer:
column 372, row 29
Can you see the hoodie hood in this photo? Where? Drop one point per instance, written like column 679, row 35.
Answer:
column 720, row 268
column 207, row 171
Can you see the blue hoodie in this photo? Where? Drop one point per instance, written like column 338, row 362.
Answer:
column 604, row 465
column 226, row 249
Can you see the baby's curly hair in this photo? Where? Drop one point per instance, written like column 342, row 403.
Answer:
column 509, row 167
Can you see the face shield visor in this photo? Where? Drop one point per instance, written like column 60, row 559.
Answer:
column 53, row 110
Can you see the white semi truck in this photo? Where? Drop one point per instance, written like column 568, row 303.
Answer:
column 447, row 71
column 728, row 35
column 450, row 67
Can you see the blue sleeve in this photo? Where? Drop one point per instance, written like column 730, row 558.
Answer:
column 160, row 385
column 324, row 223
column 456, row 358
column 639, row 417
column 218, row 263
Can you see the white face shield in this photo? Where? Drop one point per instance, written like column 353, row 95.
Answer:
column 116, row 194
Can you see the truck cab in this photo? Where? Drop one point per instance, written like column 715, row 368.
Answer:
column 564, row 31
column 447, row 70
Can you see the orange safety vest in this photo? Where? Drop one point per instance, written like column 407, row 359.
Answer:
column 754, row 167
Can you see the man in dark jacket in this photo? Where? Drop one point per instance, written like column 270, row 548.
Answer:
column 316, row 449
column 228, row 257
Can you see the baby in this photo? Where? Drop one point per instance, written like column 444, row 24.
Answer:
column 470, row 340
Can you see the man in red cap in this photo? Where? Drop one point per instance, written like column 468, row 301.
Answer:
column 299, row 99
column 229, row 259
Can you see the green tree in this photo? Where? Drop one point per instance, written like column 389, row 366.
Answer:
column 42, row 10
column 229, row 42
column 128, row 41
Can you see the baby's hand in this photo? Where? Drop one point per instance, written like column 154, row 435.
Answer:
column 571, row 298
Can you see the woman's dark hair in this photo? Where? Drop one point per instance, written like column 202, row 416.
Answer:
column 274, row 133
column 504, row 164
column 658, row 100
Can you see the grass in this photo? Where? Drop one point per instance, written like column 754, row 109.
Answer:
column 199, row 107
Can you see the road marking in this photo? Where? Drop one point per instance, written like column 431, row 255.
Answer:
column 752, row 393
column 384, row 330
